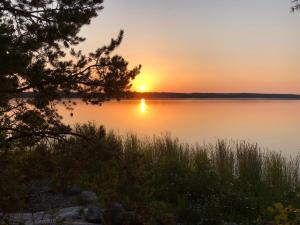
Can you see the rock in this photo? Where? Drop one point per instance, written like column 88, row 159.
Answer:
column 93, row 215
column 45, row 217
column 70, row 213
column 89, row 197
column 48, row 201
column 81, row 223
column 117, row 214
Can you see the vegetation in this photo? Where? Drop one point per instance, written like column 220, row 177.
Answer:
column 161, row 178
column 38, row 55
column 295, row 5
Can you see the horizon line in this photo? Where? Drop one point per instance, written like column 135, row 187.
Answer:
column 250, row 93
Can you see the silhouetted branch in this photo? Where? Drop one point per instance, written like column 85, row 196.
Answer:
column 46, row 134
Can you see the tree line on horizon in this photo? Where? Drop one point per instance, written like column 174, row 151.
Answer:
column 37, row 54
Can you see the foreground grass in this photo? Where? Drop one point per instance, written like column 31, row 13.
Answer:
column 161, row 178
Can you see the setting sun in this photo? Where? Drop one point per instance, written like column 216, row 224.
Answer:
column 147, row 81
column 142, row 88
column 162, row 112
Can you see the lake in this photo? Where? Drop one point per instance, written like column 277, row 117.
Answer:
column 273, row 124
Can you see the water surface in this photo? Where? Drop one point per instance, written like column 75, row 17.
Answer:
column 273, row 124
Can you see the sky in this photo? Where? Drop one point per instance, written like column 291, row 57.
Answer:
column 204, row 45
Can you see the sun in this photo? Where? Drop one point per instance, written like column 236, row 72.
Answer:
column 142, row 88
column 145, row 81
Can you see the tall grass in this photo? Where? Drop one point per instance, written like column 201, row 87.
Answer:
column 159, row 176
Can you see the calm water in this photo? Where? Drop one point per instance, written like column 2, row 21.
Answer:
column 273, row 124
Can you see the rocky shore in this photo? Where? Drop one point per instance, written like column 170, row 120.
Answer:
column 75, row 207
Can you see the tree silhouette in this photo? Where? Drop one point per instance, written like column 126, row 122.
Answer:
column 296, row 5
column 37, row 55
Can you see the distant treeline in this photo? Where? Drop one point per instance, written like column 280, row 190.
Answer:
column 172, row 95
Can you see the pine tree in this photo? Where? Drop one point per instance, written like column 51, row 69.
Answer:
column 37, row 56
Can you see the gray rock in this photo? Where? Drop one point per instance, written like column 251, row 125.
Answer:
column 93, row 215
column 45, row 217
column 81, row 223
column 70, row 213
column 89, row 197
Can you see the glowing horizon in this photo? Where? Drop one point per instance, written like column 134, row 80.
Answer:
column 204, row 46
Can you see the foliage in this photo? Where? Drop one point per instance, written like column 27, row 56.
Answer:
column 161, row 178
column 280, row 215
column 296, row 5
column 37, row 55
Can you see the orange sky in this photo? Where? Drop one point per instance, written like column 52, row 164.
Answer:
column 205, row 46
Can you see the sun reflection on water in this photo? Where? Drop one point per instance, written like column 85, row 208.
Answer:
column 143, row 106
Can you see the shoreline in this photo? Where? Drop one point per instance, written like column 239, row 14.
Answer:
column 191, row 96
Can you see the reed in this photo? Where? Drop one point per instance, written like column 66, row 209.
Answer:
column 229, row 180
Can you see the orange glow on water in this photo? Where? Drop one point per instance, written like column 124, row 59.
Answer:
column 199, row 120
